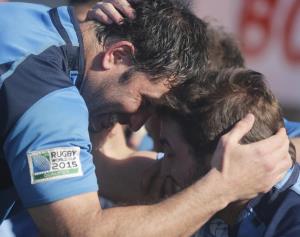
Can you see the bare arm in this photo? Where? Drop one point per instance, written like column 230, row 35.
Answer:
column 240, row 174
column 180, row 215
column 119, row 169
column 120, row 179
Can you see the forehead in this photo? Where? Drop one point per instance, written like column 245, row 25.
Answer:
column 150, row 88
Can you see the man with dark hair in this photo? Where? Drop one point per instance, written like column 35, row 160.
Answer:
column 59, row 78
column 206, row 111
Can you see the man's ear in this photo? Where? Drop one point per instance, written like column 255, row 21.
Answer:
column 118, row 53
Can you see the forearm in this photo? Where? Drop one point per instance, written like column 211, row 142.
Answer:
column 180, row 215
column 121, row 179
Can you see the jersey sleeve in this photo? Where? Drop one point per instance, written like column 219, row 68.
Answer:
column 293, row 128
column 48, row 151
column 290, row 224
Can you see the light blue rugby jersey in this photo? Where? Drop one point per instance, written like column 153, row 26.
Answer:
column 292, row 128
column 45, row 146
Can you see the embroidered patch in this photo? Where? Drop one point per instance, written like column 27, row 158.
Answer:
column 55, row 163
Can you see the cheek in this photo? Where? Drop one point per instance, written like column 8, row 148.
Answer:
column 130, row 105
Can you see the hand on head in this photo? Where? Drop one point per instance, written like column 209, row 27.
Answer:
column 253, row 168
column 111, row 11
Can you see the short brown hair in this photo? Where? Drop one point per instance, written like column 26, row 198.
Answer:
column 206, row 109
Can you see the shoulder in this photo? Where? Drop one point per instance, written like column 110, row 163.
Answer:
column 286, row 219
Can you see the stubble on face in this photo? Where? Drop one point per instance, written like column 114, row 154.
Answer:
column 121, row 99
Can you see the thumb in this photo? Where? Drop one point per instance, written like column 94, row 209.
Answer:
column 241, row 128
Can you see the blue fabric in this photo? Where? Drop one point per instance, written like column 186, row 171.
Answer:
column 42, row 73
column 146, row 144
column 67, row 24
column 293, row 128
column 19, row 225
column 30, row 31
column 60, row 119
column 274, row 214
column 39, row 107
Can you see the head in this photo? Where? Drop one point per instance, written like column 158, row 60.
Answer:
column 207, row 110
column 223, row 52
column 140, row 60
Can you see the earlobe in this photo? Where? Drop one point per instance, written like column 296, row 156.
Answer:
column 117, row 54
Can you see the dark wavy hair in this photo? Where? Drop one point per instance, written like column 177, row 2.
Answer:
column 170, row 41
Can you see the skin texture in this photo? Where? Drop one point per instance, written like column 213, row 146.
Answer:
column 109, row 11
column 296, row 142
column 179, row 168
column 81, row 9
column 82, row 216
column 109, row 98
column 240, row 171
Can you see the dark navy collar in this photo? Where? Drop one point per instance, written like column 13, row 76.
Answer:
column 259, row 211
column 264, row 200
column 80, row 57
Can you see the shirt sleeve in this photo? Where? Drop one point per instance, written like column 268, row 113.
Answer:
column 293, row 128
column 48, row 150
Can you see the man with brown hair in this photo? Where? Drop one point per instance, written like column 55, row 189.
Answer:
column 203, row 112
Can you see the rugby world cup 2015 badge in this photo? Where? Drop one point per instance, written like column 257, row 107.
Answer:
column 55, row 163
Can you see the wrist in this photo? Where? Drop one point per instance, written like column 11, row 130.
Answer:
column 220, row 191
